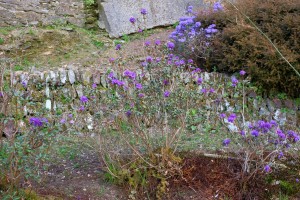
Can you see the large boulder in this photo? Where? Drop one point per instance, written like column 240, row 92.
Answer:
column 115, row 14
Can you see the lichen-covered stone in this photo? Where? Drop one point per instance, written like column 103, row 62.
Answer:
column 71, row 76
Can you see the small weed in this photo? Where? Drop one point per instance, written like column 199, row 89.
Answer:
column 89, row 2
column 98, row 44
column 18, row 68
column 126, row 38
column 282, row 96
column 1, row 41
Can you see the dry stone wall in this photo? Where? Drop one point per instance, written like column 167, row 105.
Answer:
column 34, row 12
column 112, row 15
column 60, row 90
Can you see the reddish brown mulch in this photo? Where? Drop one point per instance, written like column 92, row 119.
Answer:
column 216, row 178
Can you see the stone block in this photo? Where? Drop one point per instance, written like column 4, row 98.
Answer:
column 114, row 14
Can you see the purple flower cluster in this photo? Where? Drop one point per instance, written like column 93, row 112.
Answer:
column 210, row 30
column 37, row 121
column 231, row 117
column 264, row 127
column 84, row 99
column 217, row 7
column 117, row 82
column 111, row 76
column 129, row 74
column 293, row 136
column 186, row 29
column 190, row 9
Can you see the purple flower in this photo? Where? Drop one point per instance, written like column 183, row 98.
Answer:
column 242, row 72
column 222, row 115
column 157, row 42
column 297, row 180
column 197, row 24
column 71, row 121
column 242, row 133
column 70, row 115
column 264, row 126
column 140, row 30
column 280, row 155
column 182, row 62
column 143, row 11
column 170, row 56
column 232, row 117
column 255, row 133
column 211, row 90
column 117, row 82
column 190, row 61
column 273, row 123
column 138, row 86
column 132, row 20
column 218, row 7
column 1, row 94
column 94, row 86
column 144, row 64
column 234, row 81
column 118, row 47
column 128, row 113
column 166, row 82
column 166, row 94
column 149, row 59
column 158, row 60
column 129, row 74
column 199, row 81
column 280, row 134
column 111, row 76
column 84, row 99
column 147, row 43
column 170, row 45
column 141, row 95
column 210, row 30
column 226, row 142
column 37, row 121
column 81, row 108
column 190, row 9
column 267, row 168
column 24, row 83
column 111, row 60
column 62, row 121
column 203, row 91
column 196, row 71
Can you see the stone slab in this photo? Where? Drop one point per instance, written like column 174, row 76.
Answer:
column 114, row 14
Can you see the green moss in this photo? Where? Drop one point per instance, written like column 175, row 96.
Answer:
column 89, row 2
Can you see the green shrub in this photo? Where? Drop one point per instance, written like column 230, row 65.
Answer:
column 239, row 45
